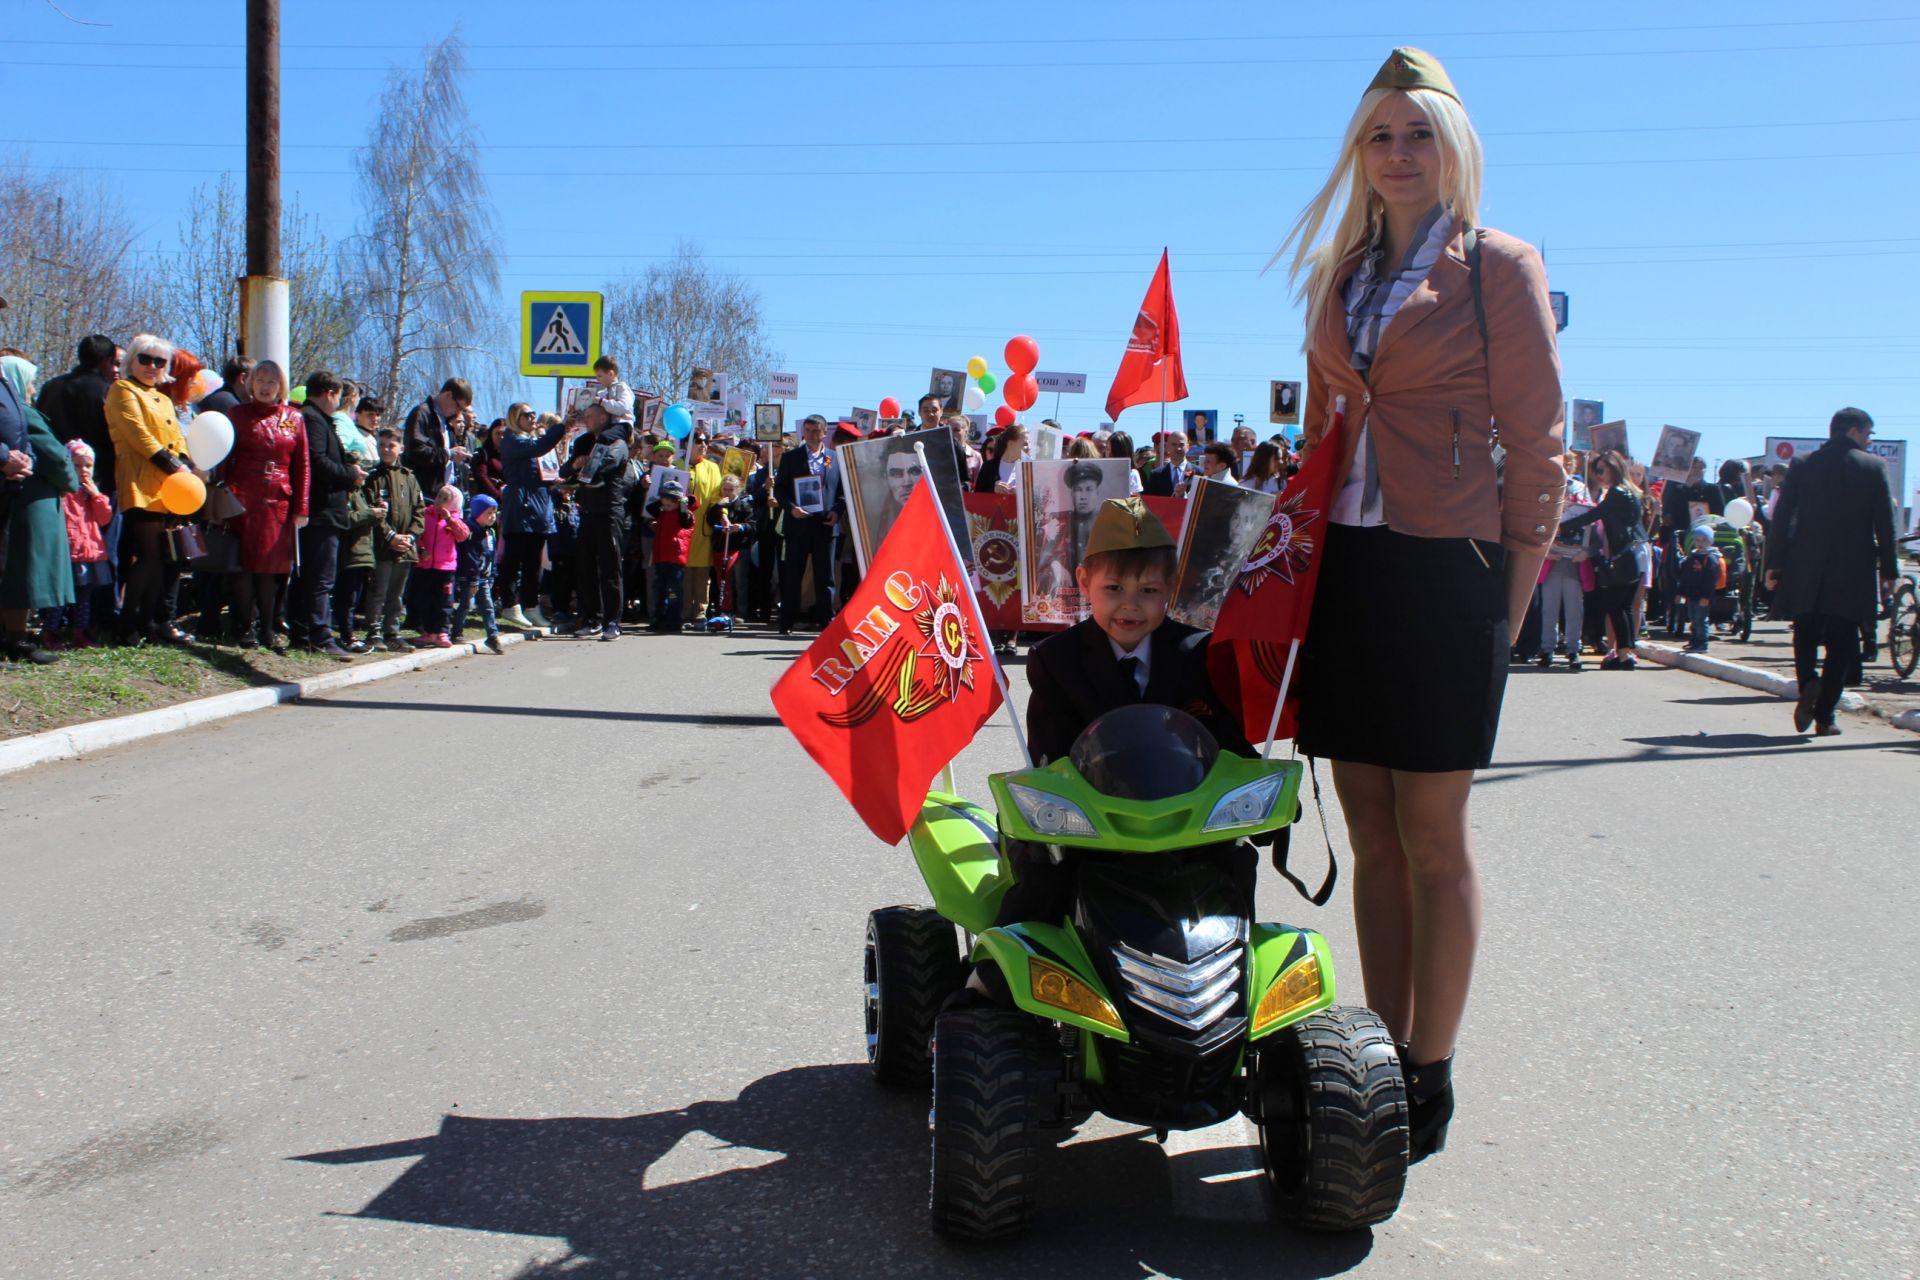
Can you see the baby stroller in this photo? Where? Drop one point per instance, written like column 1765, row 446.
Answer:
column 1731, row 607
column 725, row 558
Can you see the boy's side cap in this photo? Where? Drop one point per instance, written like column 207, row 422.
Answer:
column 1124, row 524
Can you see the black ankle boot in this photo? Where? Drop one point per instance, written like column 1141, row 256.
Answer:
column 1429, row 1105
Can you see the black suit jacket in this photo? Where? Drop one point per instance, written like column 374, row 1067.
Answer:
column 1161, row 480
column 75, row 404
column 1075, row 679
column 794, row 465
column 424, row 448
column 1832, row 532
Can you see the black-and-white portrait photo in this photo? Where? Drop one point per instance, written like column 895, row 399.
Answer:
column 1285, row 409
column 951, row 386
column 769, row 421
column 880, row 475
column 1223, row 522
column 1057, row 501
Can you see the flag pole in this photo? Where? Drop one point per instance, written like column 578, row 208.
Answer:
column 973, row 603
column 1286, row 678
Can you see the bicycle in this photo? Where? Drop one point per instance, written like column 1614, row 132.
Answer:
column 1903, row 622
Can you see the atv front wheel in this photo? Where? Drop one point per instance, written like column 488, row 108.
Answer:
column 988, row 1076
column 1333, row 1123
column 911, row 966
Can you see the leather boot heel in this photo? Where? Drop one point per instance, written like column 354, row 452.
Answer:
column 1429, row 1106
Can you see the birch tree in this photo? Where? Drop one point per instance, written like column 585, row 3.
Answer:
column 682, row 313
column 426, row 260
column 68, row 267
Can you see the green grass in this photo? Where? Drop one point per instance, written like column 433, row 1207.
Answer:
column 92, row 684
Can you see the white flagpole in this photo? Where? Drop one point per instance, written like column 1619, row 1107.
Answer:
column 1293, row 646
column 1286, row 678
column 973, row 603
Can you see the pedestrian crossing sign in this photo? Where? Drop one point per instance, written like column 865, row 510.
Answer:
column 559, row 334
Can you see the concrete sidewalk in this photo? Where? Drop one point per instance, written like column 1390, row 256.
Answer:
column 1770, row 650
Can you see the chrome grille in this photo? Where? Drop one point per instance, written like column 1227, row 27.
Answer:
column 1191, row 995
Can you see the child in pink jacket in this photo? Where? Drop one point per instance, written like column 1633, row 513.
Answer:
column 87, row 511
column 440, row 539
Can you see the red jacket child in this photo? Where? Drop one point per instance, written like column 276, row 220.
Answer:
column 673, row 522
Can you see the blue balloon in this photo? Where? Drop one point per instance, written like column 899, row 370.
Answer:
column 677, row 420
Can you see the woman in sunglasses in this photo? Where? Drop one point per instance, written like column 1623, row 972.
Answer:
column 147, row 448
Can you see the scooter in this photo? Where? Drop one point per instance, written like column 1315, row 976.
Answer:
column 1156, row 1000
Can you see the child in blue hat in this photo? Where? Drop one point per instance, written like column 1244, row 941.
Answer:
column 473, row 577
column 1700, row 575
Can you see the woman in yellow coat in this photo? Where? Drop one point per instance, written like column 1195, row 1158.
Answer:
column 706, row 477
column 147, row 448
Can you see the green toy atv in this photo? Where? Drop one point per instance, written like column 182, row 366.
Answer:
column 1157, row 1000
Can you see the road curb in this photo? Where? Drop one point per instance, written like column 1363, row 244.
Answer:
column 78, row 740
column 1754, row 678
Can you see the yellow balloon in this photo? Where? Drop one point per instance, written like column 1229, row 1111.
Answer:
column 976, row 366
column 182, row 493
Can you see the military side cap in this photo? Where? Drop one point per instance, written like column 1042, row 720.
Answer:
column 1124, row 524
column 1408, row 68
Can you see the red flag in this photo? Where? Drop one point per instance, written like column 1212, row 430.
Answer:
column 1266, row 610
column 1150, row 370
column 901, row 680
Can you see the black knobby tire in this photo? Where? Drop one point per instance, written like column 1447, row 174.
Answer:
column 1903, row 644
column 990, row 1075
column 1334, row 1129
column 911, row 966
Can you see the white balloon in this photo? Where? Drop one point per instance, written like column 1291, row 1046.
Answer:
column 976, row 399
column 209, row 439
column 1739, row 513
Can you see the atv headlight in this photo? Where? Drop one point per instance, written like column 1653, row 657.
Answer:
column 1052, row 985
column 1244, row 806
column 1291, row 992
column 1049, row 815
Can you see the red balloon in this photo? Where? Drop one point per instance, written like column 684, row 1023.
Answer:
column 1004, row 416
column 889, row 408
column 1023, row 353
column 1020, row 391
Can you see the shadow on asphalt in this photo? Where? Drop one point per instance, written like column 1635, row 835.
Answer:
column 839, row 1188
column 711, row 720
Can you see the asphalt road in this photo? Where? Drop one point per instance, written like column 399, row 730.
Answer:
column 548, row 965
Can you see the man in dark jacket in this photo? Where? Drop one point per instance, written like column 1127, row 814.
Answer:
column 331, row 476
column 75, row 403
column 1170, row 475
column 225, row 398
column 808, row 536
column 598, row 465
column 433, row 435
column 1832, row 535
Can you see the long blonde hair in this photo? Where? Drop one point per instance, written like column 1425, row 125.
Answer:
column 1359, row 211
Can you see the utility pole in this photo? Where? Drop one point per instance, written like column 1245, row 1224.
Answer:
column 264, row 309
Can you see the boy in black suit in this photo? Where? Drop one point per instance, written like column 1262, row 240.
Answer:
column 1129, row 651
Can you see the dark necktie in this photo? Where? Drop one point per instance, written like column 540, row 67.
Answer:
column 1130, row 673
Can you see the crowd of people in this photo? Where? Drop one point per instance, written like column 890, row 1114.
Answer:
column 335, row 526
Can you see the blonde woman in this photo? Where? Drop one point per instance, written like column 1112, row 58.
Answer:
column 1395, row 273
column 147, row 448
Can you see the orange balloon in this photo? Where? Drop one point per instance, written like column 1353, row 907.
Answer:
column 183, row 493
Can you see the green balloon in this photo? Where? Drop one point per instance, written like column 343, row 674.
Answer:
column 988, row 383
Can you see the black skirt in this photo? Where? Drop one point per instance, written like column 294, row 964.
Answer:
column 1405, row 660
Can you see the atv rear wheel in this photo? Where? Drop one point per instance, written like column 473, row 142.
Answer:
column 989, row 1074
column 1333, row 1126
column 911, row 966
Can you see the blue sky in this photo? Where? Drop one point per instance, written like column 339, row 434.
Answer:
column 1722, row 189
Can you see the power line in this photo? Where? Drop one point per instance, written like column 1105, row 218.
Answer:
column 1186, row 171
column 997, row 144
column 1030, row 66
column 1062, row 40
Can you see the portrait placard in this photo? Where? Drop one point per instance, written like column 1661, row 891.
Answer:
column 1057, row 501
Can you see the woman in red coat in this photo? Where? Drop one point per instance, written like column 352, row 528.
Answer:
column 267, row 472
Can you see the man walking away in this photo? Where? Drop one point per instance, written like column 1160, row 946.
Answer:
column 1832, row 534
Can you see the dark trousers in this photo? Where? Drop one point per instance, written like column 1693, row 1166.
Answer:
column 1617, row 604
column 665, row 613
column 310, row 594
column 810, row 540
column 433, row 595
column 1840, row 639
column 349, row 588
column 470, row 594
column 599, row 565
column 252, row 595
column 519, row 580
column 152, row 580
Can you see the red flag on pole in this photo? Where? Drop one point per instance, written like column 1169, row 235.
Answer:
column 1150, row 370
column 1258, row 633
column 900, row 681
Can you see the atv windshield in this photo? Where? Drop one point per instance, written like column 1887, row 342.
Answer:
column 1144, row 752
